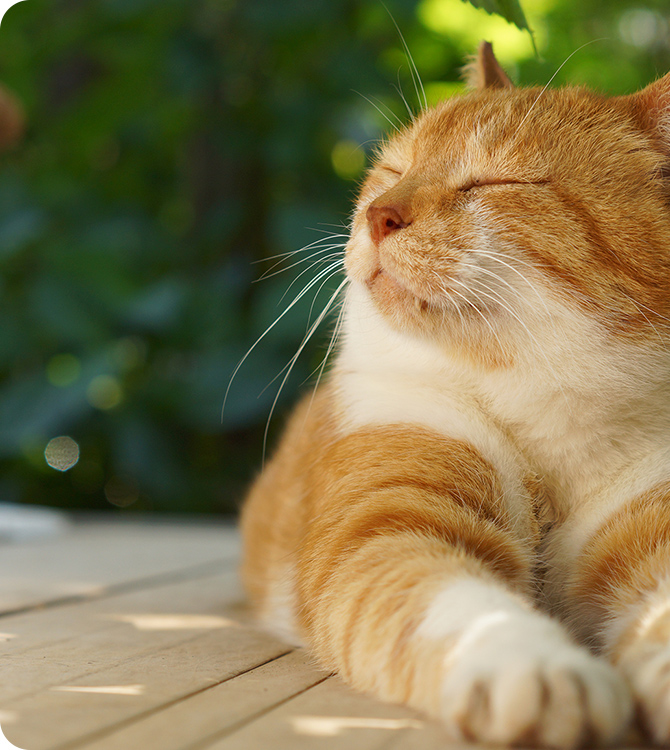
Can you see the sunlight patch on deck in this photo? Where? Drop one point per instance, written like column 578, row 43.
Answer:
column 176, row 622
column 331, row 726
column 101, row 689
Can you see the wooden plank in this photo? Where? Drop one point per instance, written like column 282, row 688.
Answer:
column 134, row 681
column 62, row 644
column 329, row 716
column 162, row 656
column 207, row 714
column 432, row 736
column 205, row 595
column 175, row 665
column 93, row 557
column 41, row 626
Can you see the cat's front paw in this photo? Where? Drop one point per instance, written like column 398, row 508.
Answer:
column 519, row 680
column 648, row 672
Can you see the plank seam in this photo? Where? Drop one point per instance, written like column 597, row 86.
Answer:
column 125, row 723
column 233, row 728
column 200, row 570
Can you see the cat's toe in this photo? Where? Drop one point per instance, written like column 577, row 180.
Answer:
column 649, row 675
column 588, row 702
column 562, row 698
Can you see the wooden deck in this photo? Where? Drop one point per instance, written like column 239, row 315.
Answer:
column 134, row 636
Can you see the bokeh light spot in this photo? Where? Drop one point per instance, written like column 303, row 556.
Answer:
column 122, row 491
column 348, row 159
column 128, row 353
column 641, row 27
column 63, row 370
column 61, row 453
column 104, row 392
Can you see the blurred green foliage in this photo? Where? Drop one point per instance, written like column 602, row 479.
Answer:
column 510, row 10
column 172, row 143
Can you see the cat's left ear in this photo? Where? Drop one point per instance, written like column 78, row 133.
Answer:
column 485, row 72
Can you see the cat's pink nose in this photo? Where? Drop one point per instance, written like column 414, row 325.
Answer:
column 384, row 220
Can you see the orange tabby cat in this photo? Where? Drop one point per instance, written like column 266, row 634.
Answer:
column 480, row 492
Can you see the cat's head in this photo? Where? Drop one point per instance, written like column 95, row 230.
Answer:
column 497, row 208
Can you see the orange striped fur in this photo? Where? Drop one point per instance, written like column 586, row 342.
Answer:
column 472, row 515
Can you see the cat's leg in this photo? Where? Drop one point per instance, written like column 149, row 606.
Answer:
column 414, row 584
column 621, row 589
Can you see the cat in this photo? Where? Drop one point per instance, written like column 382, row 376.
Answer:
column 471, row 514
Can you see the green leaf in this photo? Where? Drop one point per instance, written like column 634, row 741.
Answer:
column 510, row 10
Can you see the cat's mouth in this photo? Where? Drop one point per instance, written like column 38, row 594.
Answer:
column 399, row 297
column 387, row 288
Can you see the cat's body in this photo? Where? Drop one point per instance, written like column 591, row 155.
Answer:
column 493, row 442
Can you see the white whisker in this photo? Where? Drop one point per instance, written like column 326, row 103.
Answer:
column 311, row 257
column 497, row 299
column 478, row 311
column 496, row 257
column 416, row 78
column 335, row 270
column 397, row 127
column 455, row 305
column 295, row 357
column 335, row 266
column 549, row 82
column 656, row 331
column 334, row 226
column 310, row 285
column 401, row 94
column 334, row 339
column 501, row 302
column 289, row 253
column 497, row 277
column 319, row 276
column 649, row 309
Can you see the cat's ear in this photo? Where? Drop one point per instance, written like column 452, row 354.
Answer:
column 484, row 71
column 654, row 103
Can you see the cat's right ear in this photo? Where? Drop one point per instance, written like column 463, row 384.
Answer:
column 485, row 72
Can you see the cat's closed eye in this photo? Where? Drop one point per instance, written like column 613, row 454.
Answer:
column 391, row 170
column 479, row 182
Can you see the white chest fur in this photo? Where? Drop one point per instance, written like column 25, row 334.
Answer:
column 576, row 409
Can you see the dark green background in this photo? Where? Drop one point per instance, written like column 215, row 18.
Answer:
column 170, row 144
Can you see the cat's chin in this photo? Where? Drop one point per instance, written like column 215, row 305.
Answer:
column 458, row 330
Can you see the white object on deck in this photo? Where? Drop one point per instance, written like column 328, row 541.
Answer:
column 20, row 523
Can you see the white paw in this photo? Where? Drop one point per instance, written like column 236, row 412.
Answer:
column 514, row 677
column 648, row 671
column 511, row 687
